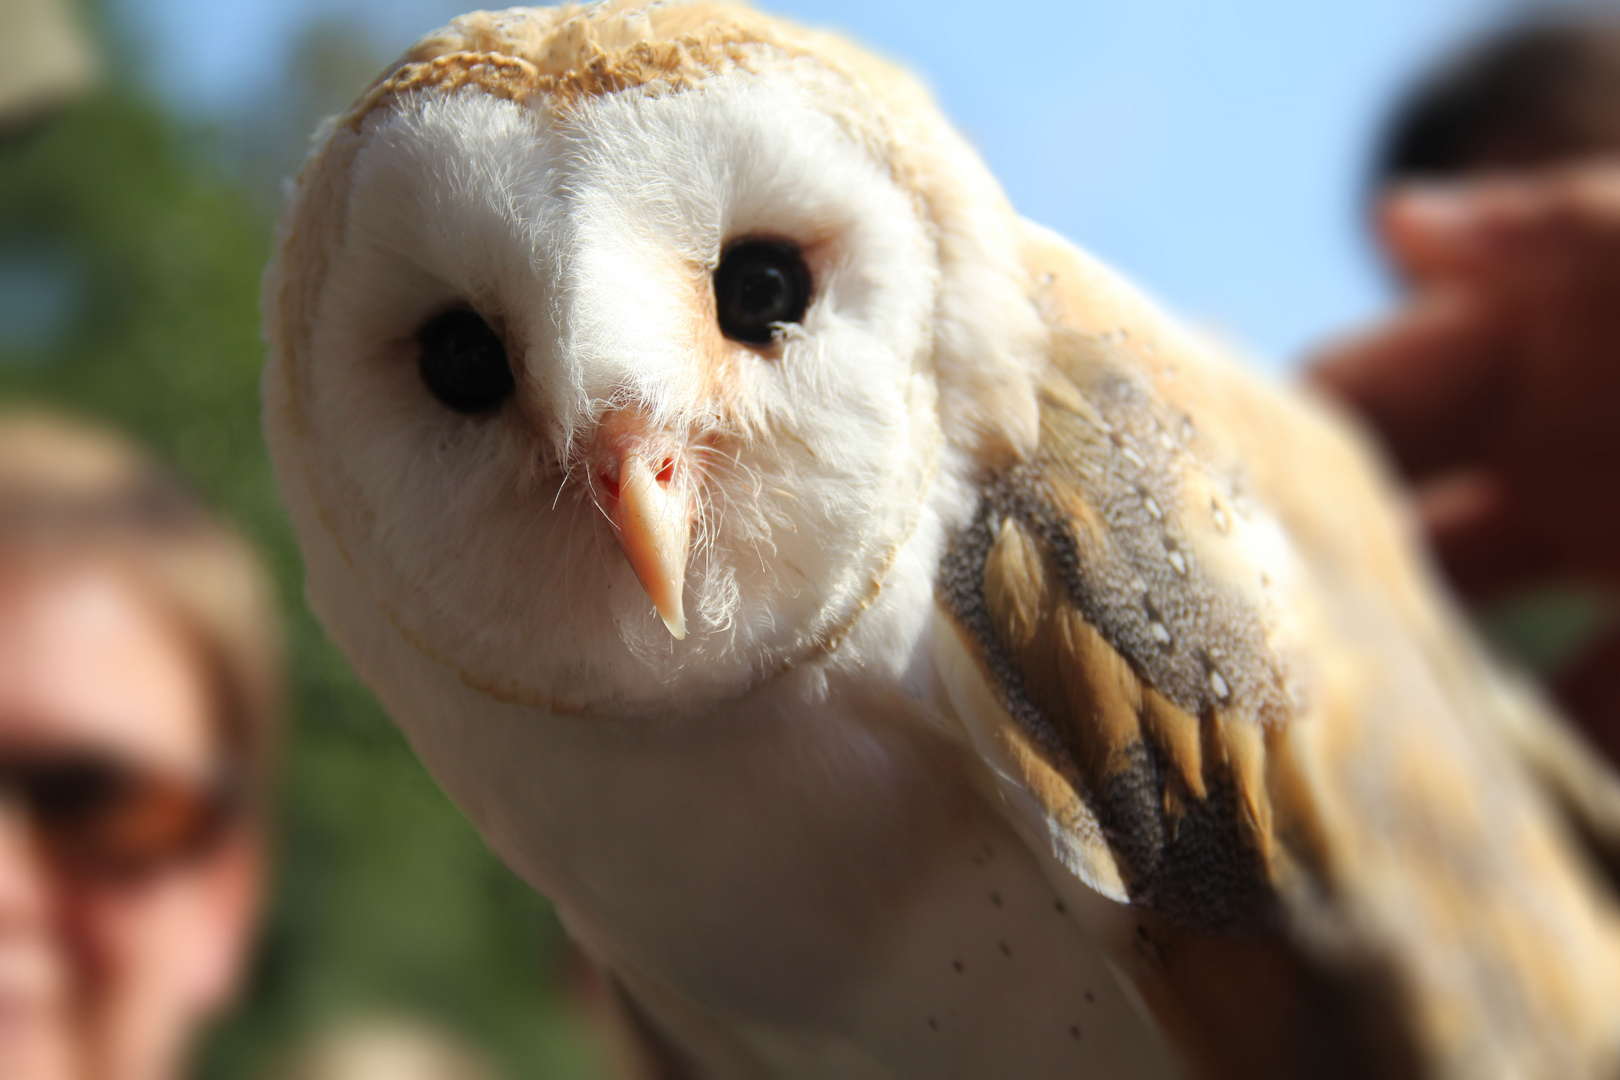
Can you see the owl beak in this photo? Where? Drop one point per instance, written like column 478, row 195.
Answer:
column 652, row 518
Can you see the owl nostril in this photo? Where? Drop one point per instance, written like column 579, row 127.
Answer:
column 608, row 479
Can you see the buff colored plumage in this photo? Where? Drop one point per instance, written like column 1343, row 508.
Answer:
column 968, row 674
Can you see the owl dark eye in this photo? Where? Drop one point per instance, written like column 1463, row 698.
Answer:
column 463, row 362
column 759, row 284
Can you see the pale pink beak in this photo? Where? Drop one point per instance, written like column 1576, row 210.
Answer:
column 645, row 492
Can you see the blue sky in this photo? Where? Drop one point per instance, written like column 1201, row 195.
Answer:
column 1214, row 151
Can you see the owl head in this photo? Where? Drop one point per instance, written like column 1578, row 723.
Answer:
column 615, row 350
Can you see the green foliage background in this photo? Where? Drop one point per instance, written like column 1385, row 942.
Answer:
column 385, row 901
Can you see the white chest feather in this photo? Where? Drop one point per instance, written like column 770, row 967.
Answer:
column 807, row 883
column 827, row 883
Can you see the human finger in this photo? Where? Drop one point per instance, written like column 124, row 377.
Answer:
column 1434, row 232
column 1432, row 382
column 1480, row 537
column 1439, row 232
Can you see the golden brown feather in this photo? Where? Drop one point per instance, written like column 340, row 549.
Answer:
column 1224, row 671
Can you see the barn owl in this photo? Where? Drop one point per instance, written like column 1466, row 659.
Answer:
column 896, row 648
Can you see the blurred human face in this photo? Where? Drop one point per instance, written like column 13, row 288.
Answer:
column 102, row 976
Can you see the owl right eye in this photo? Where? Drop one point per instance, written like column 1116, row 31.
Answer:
column 463, row 362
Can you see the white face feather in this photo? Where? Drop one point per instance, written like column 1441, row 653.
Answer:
column 587, row 239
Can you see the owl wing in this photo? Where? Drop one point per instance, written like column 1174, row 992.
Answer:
column 1194, row 643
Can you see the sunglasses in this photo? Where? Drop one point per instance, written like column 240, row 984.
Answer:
column 102, row 819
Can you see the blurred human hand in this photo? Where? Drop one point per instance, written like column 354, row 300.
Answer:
column 1496, row 389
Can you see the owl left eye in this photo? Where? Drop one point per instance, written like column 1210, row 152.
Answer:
column 758, row 286
column 463, row 362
